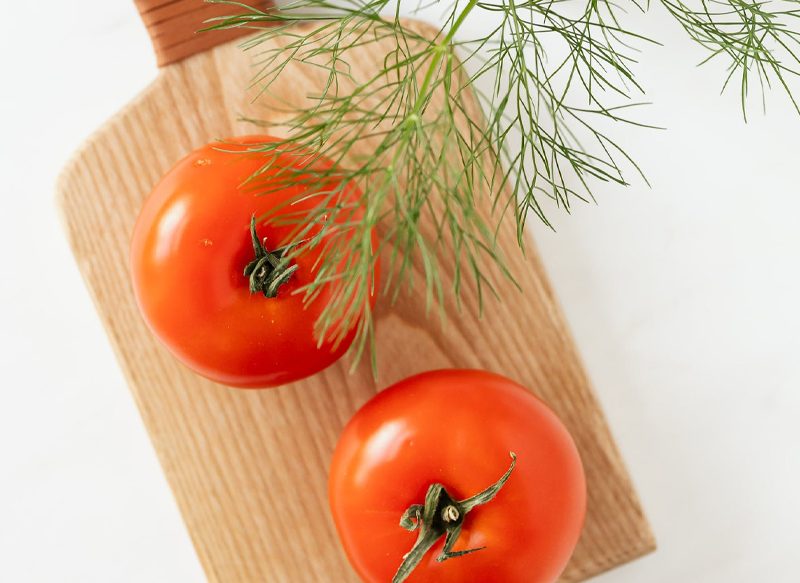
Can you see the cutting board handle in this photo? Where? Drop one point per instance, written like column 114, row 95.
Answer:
column 173, row 26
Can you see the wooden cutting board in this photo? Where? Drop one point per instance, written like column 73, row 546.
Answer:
column 248, row 468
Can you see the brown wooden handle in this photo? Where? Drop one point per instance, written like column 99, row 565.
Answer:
column 173, row 26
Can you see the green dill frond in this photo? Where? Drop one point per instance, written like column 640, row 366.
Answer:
column 757, row 39
column 547, row 78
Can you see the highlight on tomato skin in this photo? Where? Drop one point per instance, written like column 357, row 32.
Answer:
column 457, row 428
column 192, row 244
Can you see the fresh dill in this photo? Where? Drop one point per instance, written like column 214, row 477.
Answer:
column 546, row 77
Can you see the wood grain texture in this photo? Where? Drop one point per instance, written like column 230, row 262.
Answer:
column 248, row 468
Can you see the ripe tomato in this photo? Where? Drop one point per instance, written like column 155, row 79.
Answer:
column 456, row 428
column 191, row 244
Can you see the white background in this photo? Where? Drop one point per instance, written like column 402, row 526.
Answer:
column 683, row 299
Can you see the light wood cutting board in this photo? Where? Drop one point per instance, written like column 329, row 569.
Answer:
column 248, row 468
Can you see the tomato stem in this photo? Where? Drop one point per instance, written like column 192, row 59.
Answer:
column 270, row 269
column 442, row 515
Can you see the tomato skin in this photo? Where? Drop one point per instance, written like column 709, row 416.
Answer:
column 189, row 249
column 457, row 427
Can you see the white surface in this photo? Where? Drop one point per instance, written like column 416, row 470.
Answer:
column 683, row 299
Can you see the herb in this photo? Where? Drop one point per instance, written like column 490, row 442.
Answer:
column 554, row 72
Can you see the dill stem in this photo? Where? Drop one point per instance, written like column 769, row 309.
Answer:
column 439, row 54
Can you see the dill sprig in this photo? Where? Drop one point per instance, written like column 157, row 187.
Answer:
column 549, row 77
column 755, row 38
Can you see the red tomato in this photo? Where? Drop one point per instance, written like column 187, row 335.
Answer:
column 190, row 247
column 457, row 428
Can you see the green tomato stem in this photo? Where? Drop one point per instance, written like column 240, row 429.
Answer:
column 269, row 270
column 442, row 515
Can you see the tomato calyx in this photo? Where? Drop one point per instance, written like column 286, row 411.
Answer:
column 270, row 269
column 442, row 515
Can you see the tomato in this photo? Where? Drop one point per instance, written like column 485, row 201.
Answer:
column 190, row 247
column 457, row 428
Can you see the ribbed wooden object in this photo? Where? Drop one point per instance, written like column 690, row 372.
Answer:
column 248, row 468
column 174, row 25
